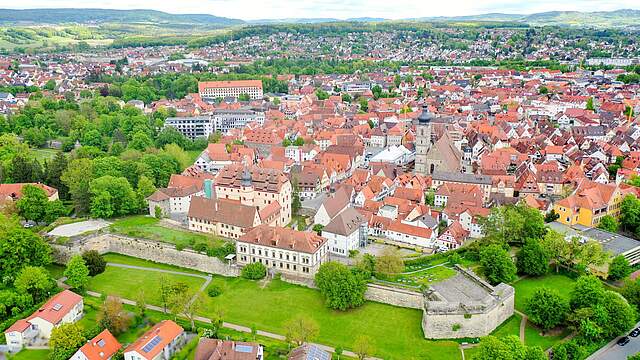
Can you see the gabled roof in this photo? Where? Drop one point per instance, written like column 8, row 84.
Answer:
column 52, row 311
column 214, row 349
column 153, row 341
column 223, row 211
column 101, row 347
column 283, row 238
column 346, row 223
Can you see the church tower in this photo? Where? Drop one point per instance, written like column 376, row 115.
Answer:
column 246, row 187
column 423, row 140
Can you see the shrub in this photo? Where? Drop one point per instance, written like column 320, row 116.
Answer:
column 201, row 247
column 94, row 261
column 221, row 251
column 254, row 271
column 214, row 290
column 180, row 247
column 456, row 327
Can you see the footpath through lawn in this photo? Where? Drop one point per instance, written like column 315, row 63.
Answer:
column 396, row 332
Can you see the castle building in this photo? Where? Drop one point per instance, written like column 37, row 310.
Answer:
column 423, row 141
column 257, row 187
column 283, row 250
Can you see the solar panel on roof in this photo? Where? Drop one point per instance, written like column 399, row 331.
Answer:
column 244, row 348
column 315, row 353
column 101, row 343
column 151, row 344
column 57, row 307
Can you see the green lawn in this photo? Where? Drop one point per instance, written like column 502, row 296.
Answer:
column 44, row 154
column 396, row 332
column 470, row 353
column 425, row 277
column 31, row 355
column 127, row 283
column 526, row 287
column 532, row 337
column 129, row 260
column 193, row 154
column 510, row 327
column 55, row 270
column 149, row 228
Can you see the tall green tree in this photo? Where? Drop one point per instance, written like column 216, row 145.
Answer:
column 497, row 264
column 619, row 268
column 19, row 248
column 77, row 178
column 77, row 273
column 533, row 258
column 65, row 340
column 53, row 173
column 546, row 308
column 112, row 196
column 341, row 288
column 35, row 281
column 33, row 203
column 609, row 223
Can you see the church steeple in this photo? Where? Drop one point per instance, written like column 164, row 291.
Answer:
column 426, row 116
column 423, row 140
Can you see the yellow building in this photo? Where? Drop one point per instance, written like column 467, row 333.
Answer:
column 590, row 202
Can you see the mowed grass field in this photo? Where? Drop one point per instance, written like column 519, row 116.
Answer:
column 396, row 332
column 127, row 283
column 149, row 228
column 29, row 354
column 527, row 286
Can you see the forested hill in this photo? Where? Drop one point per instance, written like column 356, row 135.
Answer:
column 88, row 16
column 605, row 19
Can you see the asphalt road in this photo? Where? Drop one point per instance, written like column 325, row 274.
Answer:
column 613, row 351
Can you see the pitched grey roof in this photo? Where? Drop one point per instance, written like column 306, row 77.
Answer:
column 346, row 223
column 460, row 177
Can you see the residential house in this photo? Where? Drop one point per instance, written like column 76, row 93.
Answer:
column 14, row 191
column 331, row 207
column 452, row 237
column 101, row 347
column 216, row 349
column 346, row 232
column 309, row 352
column 63, row 308
column 161, row 342
column 590, row 202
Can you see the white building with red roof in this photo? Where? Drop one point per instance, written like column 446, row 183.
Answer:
column 161, row 342
column 283, row 250
column 101, row 347
column 63, row 308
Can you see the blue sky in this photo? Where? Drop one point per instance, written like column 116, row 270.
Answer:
column 391, row 9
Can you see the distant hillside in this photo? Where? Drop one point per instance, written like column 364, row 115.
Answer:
column 91, row 16
column 617, row 18
column 312, row 20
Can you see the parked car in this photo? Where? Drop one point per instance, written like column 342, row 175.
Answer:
column 623, row 341
column 635, row 332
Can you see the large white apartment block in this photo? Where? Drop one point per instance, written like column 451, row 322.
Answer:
column 221, row 120
column 210, row 90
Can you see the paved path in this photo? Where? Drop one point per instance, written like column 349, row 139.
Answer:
column 523, row 324
column 232, row 326
column 613, row 351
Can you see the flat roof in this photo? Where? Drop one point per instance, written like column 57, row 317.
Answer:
column 616, row 243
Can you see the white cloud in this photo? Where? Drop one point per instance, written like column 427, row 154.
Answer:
column 397, row 9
